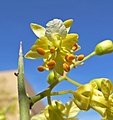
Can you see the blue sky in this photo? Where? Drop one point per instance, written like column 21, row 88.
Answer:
column 93, row 21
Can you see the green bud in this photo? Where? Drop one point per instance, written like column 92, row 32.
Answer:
column 104, row 47
column 50, row 78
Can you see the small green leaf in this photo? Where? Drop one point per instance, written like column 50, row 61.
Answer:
column 71, row 110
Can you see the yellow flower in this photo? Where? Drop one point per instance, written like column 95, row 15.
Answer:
column 54, row 44
column 98, row 95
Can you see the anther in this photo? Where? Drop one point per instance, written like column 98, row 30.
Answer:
column 52, row 49
column 51, row 64
column 41, row 51
column 51, row 67
column 41, row 68
column 75, row 47
column 69, row 58
column 80, row 57
column 66, row 67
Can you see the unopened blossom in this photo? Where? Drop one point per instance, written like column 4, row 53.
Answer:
column 54, row 44
column 104, row 47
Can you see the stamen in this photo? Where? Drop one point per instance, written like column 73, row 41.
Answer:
column 41, row 51
column 51, row 67
column 51, row 64
column 52, row 49
column 41, row 68
column 75, row 47
column 66, row 67
column 80, row 57
column 69, row 58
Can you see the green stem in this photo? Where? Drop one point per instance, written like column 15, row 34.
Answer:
column 87, row 57
column 49, row 99
column 46, row 92
column 62, row 92
column 72, row 81
column 24, row 103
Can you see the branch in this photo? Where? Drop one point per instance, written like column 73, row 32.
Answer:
column 62, row 92
column 46, row 92
column 24, row 103
column 73, row 82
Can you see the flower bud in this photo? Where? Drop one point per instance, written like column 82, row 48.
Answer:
column 66, row 67
column 41, row 68
column 41, row 51
column 80, row 57
column 104, row 47
column 50, row 78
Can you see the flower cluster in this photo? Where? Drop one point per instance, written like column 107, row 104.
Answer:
column 55, row 46
column 58, row 111
column 97, row 95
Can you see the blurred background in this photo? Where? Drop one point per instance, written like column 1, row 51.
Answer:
column 93, row 21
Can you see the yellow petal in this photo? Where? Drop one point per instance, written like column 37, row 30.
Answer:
column 106, row 88
column 40, row 43
column 32, row 55
column 69, row 41
column 38, row 30
column 68, row 24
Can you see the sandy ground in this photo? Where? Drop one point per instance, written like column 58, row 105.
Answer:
column 9, row 97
